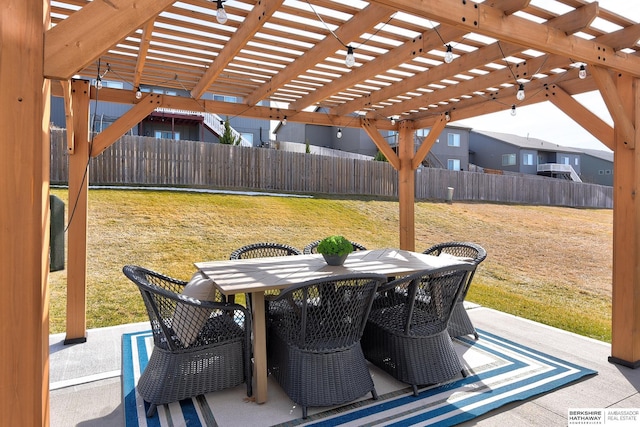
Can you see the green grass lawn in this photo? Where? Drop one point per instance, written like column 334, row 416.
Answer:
column 552, row 265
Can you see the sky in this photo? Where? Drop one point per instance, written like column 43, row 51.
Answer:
column 544, row 120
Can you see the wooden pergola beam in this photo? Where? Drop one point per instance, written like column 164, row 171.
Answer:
column 509, row 7
column 492, row 22
column 471, row 60
column 613, row 101
column 88, row 33
column 576, row 20
column 403, row 53
column 581, row 115
column 359, row 23
column 125, row 122
column 428, row 142
column 626, row 37
column 479, row 83
column 145, row 41
column 68, row 114
column 381, row 143
column 251, row 25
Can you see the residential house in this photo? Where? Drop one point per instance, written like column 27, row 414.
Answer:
column 170, row 124
column 597, row 167
column 512, row 153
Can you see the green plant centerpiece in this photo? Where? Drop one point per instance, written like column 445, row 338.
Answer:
column 335, row 249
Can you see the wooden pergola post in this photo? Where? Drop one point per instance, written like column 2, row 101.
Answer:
column 406, row 186
column 24, row 214
column 78, row 209
column 625, row 340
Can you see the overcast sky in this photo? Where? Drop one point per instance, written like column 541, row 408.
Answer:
column 545, row 121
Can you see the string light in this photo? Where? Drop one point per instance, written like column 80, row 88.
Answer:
column 583, row 72
column 448, row 55
column 520, row 94
column 350, row 60
column 221, row 14
column 513, row 110
column 393, row 121
column 284, row 121
column 447, row 116
column 99, row 83
column 339, row 134
column 138, row 93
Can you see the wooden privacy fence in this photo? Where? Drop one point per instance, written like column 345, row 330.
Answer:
column 144, row 161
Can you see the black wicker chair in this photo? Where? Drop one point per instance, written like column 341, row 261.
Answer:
column 199, row 346
column 313, row 345
column 406, row 333
column 312, row 248
column 460, row 324
column 262, row 250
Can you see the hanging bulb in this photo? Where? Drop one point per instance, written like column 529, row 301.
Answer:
column 350, row 60
column 284, row 121
column 513, row 110
column 393, row 121
column 583, row 72
column 339, row 134
column 221, row 14
column 99, row 83
column 138, row 93
column 448, row 56
column 520, row 94
column 447, row 116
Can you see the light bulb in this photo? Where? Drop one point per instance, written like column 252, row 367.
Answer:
column 448, row 56
column 520, row 94
column 350, row 60
column 99, row 83
column 339, row 134
column 513, row 110
column 447, row 116
column 393, row 121
column 138, row 93
column 583, row 72
column 221, row 14
column 284, row 121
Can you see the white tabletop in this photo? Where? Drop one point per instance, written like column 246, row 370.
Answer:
column 261, row 274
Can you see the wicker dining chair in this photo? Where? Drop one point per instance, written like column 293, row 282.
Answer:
column 262, row 250
column 406, row 333
column 312, row 248
column 313, row 345
column 200, row 346
column 460, row 324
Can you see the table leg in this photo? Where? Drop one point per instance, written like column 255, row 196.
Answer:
column 259, row 347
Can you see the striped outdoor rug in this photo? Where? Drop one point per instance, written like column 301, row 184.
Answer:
column 501, row 372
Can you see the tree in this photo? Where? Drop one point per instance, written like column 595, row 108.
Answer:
column 380, row 157
column 227, row 137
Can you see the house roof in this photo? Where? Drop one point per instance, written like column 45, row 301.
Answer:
column 292, row 54
column 600, row 154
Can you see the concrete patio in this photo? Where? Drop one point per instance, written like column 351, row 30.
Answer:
column 86, row 385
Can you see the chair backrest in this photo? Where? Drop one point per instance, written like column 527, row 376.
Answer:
column 420, row 304
column 264, row 249
column 327, row 313
column 312, row 248
column 176, row 319
column 474, row 252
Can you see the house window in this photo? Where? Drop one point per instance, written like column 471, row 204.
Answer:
column 248, row 137
column 527, row 159
column 423, row 132
column 564, row 160
column 453, row 140
column 576, row 161
column 508, row 159
column 167, row 134
column 453, row 164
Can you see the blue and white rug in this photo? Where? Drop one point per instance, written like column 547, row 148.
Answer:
column 501, row 372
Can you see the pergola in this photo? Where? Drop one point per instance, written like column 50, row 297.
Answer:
column 284, row 60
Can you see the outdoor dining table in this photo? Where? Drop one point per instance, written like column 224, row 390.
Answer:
column 257, row 275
